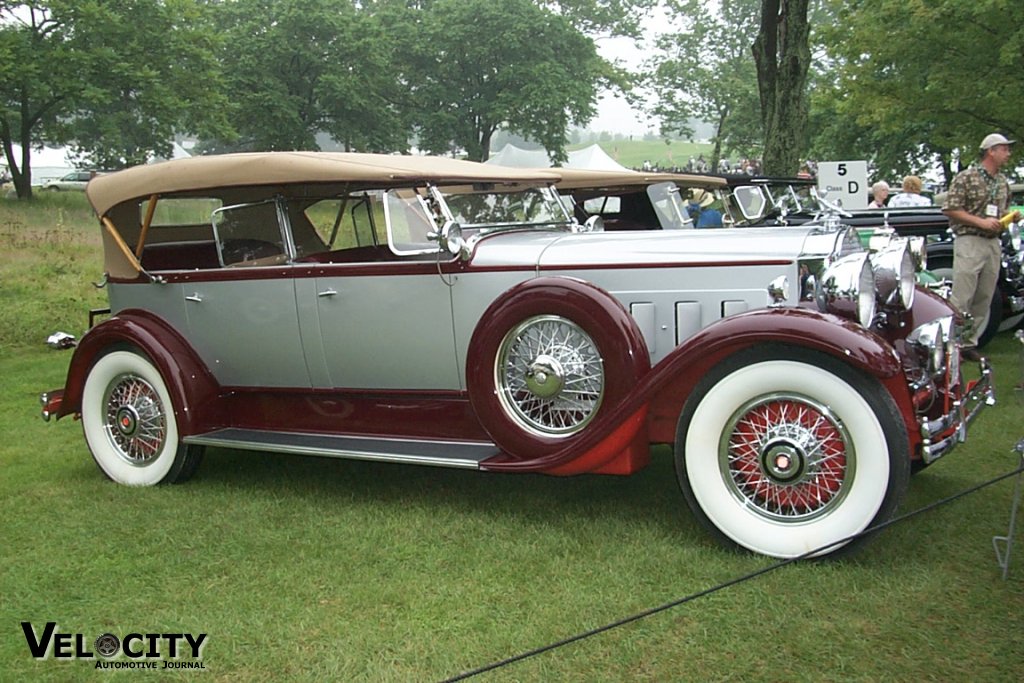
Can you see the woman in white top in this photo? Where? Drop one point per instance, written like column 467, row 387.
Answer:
column 911, row 195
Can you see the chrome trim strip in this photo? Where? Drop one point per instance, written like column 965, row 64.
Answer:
column 467, row 455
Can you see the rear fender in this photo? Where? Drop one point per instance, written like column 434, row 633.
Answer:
column 194, row 391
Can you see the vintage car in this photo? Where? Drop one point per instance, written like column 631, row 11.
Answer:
column 792, row 202
column 432, row 311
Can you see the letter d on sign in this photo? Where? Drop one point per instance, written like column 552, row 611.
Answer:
column 853, row 187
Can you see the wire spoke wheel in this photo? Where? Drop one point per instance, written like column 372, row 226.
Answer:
column 549, row 376
column 787, row 457
column 130, row 423
column 135, row 421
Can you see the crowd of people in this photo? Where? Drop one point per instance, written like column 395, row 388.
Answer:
column 699, row 164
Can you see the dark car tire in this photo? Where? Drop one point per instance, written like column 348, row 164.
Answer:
column 129, row 423
column 787, row 451
column 584, row 354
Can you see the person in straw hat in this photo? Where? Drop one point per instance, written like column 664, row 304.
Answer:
column 699, row 208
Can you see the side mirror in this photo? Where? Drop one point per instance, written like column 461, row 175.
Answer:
column 593, row 224
column 451, row 240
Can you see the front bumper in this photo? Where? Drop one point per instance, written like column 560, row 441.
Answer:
column 51, row 401
column 941, row 435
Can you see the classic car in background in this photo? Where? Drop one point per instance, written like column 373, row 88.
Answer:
column 794, row 202
column 630, row 200
column 430, row 311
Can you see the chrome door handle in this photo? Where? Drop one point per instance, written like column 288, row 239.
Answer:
column 195, row 297
column 327, row 292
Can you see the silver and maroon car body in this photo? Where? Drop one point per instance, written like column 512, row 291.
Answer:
column 468, row 321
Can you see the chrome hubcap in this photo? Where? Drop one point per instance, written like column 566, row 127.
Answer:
column 787, row 457
column 550, row 376
column 135, row 422
column 546, row 377
column 783, row 461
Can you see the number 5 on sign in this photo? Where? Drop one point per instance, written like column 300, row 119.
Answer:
column 845, row 182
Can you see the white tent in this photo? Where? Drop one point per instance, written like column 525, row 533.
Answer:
column 48, row 163
column 592, row 157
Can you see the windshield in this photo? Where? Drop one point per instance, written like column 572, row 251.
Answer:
column 530, row 206
column 669, row 206
column 414, row 216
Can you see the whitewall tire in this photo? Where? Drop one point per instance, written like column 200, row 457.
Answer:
column 129, row 423
column 786, row 454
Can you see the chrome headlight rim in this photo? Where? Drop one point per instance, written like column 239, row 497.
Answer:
column 934, row 339
column 895, row 274
column 848, row 288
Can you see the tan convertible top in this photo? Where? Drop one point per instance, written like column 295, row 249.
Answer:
column 574, row 178
column 275, row 168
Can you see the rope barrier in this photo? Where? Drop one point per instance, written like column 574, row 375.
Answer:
column 722, row 586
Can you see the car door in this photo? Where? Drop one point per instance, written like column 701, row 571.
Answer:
column 387, row 326
column 243, row 318
column 384, row 314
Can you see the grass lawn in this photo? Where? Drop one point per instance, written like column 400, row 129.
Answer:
column 317, row 569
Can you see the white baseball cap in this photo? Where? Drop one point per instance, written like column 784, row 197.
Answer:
column 993, row 139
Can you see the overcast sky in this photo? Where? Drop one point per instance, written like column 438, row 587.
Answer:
column 613, row 113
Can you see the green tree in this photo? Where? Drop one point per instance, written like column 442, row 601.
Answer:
column 705, row 71
column 37, row 84
column 603, row 17
column 115, row 77
column 489, row 64
column 296, row 68
column 150, row 71
column 783, row 56
column 927, row 87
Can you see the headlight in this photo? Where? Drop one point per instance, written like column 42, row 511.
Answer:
column 847, row 287
column 931, row 339
column 894, row 274
column 880, row 239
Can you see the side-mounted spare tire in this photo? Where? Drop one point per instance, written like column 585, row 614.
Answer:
column 784, row 451
column 547, row 359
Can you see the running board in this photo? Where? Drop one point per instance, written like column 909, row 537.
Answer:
column 438, row 453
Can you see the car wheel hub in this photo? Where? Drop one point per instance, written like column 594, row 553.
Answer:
column 546, row 377
column 783, row 462
column 786, row 457
column 134, row 419
column 127, row 421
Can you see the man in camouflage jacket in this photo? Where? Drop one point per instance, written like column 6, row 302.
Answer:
column 977, row 198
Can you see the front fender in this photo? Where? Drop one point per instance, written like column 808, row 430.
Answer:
column 194, row 391
column 673, row 379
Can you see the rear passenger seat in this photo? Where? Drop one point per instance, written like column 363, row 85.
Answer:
column 180, row 256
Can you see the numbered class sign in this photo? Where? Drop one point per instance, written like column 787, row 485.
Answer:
column 845, row 182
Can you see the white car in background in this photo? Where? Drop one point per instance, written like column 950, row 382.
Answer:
column 76, row 180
